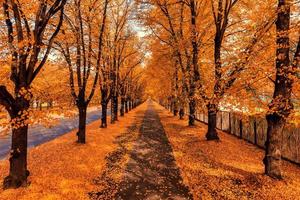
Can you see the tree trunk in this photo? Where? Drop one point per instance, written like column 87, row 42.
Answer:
column 104, row 102
column 212, row 133
column 175, row 107
column 116, row 106
column 82, row 124
column 126, row 106
column 18, row 172
column 122, row 110
column 114, row 109
column 192, row 107
column 281, row 105
column 194, row 79
column 272, row 158
column 129, row 105
column 181, row 113
column 104, row 115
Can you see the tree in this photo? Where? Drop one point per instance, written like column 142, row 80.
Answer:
column 105, row 84
column 281, row 105
column 81, row 28
column 224, row 77
column 221, row 20
column 30, row 36
column 177, row 27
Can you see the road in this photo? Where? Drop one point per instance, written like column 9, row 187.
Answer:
column 38, row 134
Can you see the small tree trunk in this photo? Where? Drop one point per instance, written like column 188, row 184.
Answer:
column 192, row 107
column 212, row 133
column 112, row 106
column 82, row 124
column 116, row 105
column 126, row 106
column 122, row 110
column 175, row 110
column 104, row 115
column 181, row 113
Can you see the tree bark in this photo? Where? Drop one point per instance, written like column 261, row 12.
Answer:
column 175, row 106
column 82, row 124
column 104, row 115
column 114, row 109
column 281, row 105
column 18, row 172
column 272, row 158
column 181, row 113
column 116, row 106
column 212, row 133
column 122, row 110
column 129, row 105
column 126, row 106
column 192, row 107
column 194, row 80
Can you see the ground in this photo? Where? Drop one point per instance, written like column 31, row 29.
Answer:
column 150, row 154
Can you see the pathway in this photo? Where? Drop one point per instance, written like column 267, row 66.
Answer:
column 151, row 172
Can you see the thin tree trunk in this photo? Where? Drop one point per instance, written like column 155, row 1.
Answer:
column 122, row 110
column 192, row 107
column 116, row 106
column 82, row 124
column 175, row 107
column 104, row 103
column 212, row 133
column 126, row 106
column 181, row 113
column 104, row 115
column 114, row 109
column 195, row 75
column 112, row 102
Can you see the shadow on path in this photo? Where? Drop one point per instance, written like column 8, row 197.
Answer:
column 151, row 172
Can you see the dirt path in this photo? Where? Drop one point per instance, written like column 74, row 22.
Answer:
column 150, row 171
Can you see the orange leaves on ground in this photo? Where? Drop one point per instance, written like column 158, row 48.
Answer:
column 62, row 169
column 229, row 169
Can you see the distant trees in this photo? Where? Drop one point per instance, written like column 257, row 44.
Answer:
column 178, row 29
column 123, row 55
column 31, row 30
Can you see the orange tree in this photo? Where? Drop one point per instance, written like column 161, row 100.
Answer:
column 31, row 29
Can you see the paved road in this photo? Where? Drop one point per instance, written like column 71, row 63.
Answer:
column 39, row 134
